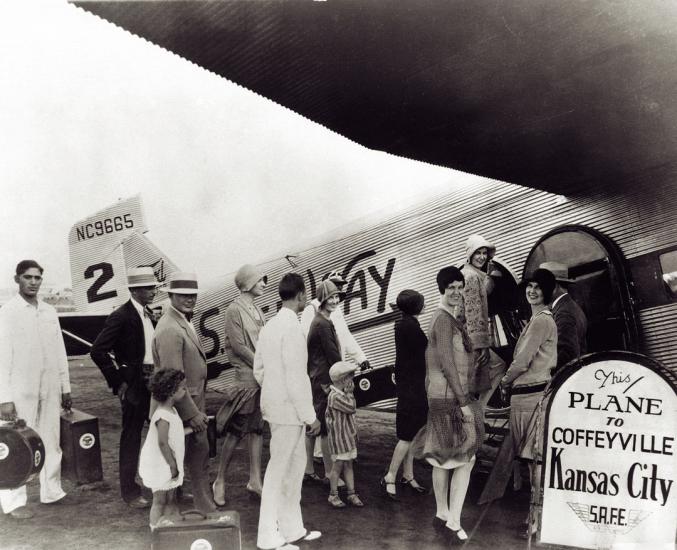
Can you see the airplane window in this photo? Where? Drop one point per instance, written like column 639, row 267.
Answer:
column 669, row 269
column 595, row 283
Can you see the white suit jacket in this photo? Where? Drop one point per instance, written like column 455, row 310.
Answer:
column 281, row 369
column 33, row 361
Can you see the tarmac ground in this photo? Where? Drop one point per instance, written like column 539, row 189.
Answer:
column 94, row 516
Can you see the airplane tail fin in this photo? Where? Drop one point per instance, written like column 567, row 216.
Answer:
column 103, row 246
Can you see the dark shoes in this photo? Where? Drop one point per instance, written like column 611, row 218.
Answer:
column 388, row 489
column 455, row 538
column 413, row 486
column 253, row 492
column 139, row 503
column 21, row 513
column 315, row 478
column 439, row 524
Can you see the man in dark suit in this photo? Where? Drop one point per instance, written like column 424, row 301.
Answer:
column 128, row 333
column 571, row 322
column 176, row 345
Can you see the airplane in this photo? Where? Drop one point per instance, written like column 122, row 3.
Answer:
column 626, row 287
column 570, row 102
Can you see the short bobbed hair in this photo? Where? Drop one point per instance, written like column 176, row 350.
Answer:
column 410, row 302
column 546, row 282
column 448, row 275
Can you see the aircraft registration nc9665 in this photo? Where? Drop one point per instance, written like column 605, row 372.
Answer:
column 624, row 281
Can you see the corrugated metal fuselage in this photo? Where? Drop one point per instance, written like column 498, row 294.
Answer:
column 406, row 249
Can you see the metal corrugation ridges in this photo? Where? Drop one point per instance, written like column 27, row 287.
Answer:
column 431, row 235
column 660, row 331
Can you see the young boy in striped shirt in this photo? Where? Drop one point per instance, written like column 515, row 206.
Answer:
column 342, row 433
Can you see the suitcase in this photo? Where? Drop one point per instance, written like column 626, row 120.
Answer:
column 193, row 530
column 81, row 447
column 22, row 454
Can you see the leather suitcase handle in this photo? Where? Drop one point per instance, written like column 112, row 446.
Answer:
column 193, row 511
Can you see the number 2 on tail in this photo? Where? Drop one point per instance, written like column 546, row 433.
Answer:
column 106, row 275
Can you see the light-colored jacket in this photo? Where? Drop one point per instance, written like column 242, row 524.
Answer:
column 242, row 330
column 33, row 357
column 280, row 367
column 177, row 346
column 535, row 352
column 350, row 349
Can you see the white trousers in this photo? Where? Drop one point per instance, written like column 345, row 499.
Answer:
column 280, row 519
column 43, row 415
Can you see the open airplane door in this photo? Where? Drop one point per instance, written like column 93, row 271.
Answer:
column 601, row 285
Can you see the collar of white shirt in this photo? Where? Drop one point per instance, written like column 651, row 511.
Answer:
column 25, row 303
column 138, row 307
column 288, row 313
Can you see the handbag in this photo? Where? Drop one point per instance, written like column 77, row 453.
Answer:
column 447, row 428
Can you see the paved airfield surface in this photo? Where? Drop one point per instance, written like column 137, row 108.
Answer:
column 94, row 516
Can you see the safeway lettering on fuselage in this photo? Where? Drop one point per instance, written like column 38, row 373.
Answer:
column 359, row 278
column 104, row 226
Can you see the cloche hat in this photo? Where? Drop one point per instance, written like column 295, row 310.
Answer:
column 247, row 276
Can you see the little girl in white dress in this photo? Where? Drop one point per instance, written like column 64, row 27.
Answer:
column 161, row 462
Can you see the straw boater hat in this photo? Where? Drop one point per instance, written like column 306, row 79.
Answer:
column 141, row 276
column 559, row 270
column 341, row 369
column 247, row 276
column 181, row 283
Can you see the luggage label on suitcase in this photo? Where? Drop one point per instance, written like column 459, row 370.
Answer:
column 22, row 454
column 194, row 530
column 81, row 446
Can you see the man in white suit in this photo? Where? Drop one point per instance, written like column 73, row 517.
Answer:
column 34, row 381
column 280, row 367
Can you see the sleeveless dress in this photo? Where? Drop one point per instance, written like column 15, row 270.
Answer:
column 153, row 468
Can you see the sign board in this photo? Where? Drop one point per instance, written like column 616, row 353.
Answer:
column 609, row 462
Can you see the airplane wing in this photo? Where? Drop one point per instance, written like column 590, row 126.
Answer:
column 541, row 93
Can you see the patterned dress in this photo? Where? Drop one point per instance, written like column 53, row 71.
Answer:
column 448, row 440
column 341, row 428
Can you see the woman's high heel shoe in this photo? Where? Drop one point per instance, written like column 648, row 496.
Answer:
column 414, row 486
column 384, row 489
column 456, row 537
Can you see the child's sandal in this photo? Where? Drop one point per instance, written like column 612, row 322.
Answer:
column 335, row 501
column 354, row 500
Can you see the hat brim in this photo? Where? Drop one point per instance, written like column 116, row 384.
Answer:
column 339, row 293
column 563, row 280
column 140, row 285
column 180, row 290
